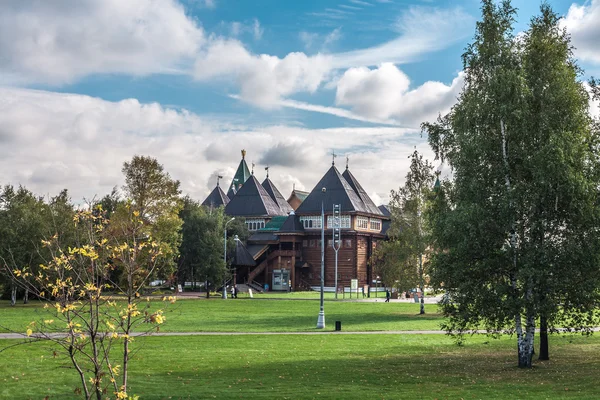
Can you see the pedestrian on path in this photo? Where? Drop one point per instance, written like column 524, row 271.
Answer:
column 387, row 296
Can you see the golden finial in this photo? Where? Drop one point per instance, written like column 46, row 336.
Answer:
column 243, row 154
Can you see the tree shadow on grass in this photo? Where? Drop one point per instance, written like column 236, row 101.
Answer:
column 333, row 370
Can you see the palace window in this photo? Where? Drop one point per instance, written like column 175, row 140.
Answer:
column 362, row 222
column 311, row 221
column 255, row 224
column 375, row 224
column 305, row 243
column 347, row 243
column 313, row 243
column 344, row 221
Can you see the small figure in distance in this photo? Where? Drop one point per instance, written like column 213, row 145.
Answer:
column 387, row 296
column 233, row 291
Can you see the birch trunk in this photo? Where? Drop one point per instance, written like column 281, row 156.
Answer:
column 422, row 311
column 524, row 339
column 13, row 294
column 26, row 297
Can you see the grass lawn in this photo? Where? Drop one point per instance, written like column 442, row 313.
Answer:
column 380, row 366
column 261, row 315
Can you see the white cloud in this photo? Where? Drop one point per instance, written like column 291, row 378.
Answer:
column 313, row 40
column 263, row 79
column 50, row 141
column 583, row 23
column 421, row 30
column 338, row 112
column 237, row 28
column 383, row 93
column 59, row 42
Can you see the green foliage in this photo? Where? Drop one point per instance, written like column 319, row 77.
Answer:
column 201, row 249
column 400, row 260
column 515, row 232
column 25, row 220
column 155, row 196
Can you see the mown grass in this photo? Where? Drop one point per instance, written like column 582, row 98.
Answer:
column 258, row 315
column 376, row 366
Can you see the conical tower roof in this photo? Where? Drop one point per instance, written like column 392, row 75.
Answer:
column 242, row 255
column 241, row 176
column 358, row 189
column 338, row 191
column 216, row 198
column 276, row 196
column 252, row 200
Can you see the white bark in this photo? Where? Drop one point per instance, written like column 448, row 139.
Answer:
column 524, row 341
column 13, row 295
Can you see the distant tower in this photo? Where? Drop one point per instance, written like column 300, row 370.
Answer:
column 241, row 176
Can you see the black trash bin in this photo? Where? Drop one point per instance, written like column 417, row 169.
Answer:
column 338, row 325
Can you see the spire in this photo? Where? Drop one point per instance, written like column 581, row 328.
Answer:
column 267, row 169
column 347, row 159
column 241, row 175
column 252, row 168
column 333, row 156
column 219, row 177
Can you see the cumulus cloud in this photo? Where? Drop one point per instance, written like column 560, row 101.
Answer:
column 60, row 42
column 383, row 93
column 263, row 79
column 288, row 155
column 582, row 22
column 52, row 141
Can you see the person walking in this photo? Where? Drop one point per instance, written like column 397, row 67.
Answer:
column 233, row 296
column 387, row 296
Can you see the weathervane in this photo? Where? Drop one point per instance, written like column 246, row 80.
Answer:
column 333, row 157
column 347, row 159
column 219, row 177
column 252, row 168
column 267, row 169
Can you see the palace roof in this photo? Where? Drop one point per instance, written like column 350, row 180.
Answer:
column 276, row 196
column 242, row 255
column 216, row 198
column 369, row 205
column 292, row 224
column 338, row 191
column 252, row 200
column 385, row 210
column 241, row 176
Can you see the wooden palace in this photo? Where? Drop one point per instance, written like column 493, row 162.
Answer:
column 285, row 240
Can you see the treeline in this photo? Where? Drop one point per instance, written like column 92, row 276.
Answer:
column 189, row 236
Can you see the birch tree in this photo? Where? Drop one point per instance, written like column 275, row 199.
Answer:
column 516, row 237
column 402, row 257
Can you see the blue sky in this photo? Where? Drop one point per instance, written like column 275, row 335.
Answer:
column 88, row 84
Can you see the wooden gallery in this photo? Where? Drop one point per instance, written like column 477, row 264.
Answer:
column 284, row 249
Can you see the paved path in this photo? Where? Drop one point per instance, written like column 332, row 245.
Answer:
column 325, row 332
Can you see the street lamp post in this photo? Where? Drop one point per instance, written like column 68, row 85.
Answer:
column 321, row 319
column 336, row 240
column 224, row 292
